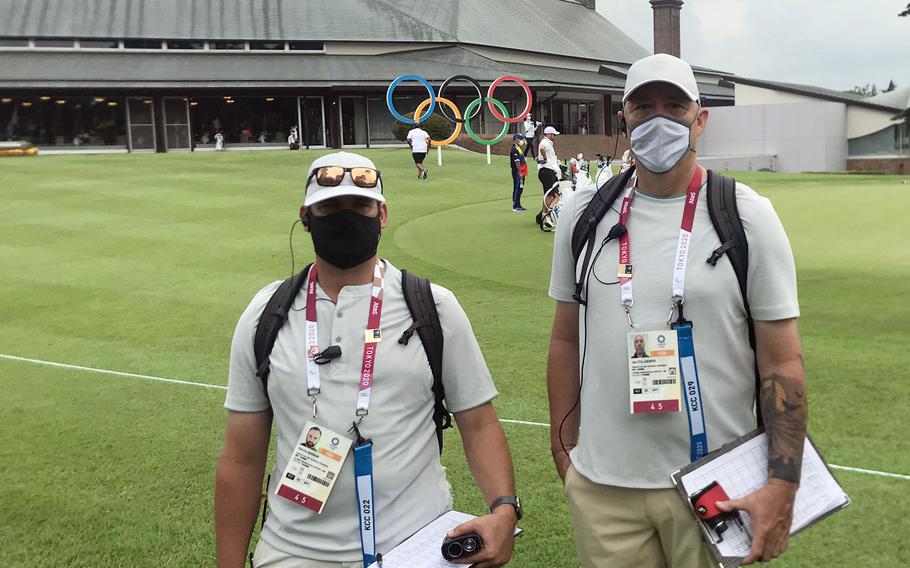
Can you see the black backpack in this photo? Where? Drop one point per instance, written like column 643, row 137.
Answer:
column 419, row 298
column 724, row 216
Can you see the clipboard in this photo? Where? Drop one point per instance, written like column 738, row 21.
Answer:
column 741, row 467
column 422, row 549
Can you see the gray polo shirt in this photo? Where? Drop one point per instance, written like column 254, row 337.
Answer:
column 410, row 485
column 616, row 448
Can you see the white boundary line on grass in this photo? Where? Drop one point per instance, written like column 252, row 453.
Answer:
column 222, row 387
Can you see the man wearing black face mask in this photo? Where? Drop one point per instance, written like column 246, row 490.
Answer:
column 322, row 512
column 617, row 476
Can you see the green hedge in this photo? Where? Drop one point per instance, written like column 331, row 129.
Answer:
column 437, row 126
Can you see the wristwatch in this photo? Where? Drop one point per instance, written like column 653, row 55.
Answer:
column 508, row 500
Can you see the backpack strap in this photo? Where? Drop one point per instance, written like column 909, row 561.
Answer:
column 733, row 243
column 586, row 227
column 273, row 317
column 419, row 298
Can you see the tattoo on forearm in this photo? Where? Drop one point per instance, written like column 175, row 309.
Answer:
column 783, row 407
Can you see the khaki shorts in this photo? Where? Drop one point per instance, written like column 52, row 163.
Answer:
column 632, row 528
column 267, row 556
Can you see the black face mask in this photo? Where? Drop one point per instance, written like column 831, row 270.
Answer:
column 346, row 238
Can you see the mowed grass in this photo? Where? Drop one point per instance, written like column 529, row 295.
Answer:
column 142, row 264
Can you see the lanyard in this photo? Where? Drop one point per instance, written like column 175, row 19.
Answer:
column 372, row 336
column 682, row 249
column 698, row 436
column 363, row 475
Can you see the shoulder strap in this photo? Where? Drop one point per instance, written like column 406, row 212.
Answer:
column 729, row 227
column 586, row 227
column 273, row 317
column 419, row 297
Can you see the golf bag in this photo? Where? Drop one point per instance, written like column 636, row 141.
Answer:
column 549, row 212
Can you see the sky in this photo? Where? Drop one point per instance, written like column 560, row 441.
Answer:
column 836, row 44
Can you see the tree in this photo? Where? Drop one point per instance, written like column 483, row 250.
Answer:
column 867, row 91
column 891, row 86
column 906, row 12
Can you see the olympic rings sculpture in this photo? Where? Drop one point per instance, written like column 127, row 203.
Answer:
column 497, row 108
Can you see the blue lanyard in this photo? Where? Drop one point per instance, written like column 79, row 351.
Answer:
column 698, row 437
column 363, row 474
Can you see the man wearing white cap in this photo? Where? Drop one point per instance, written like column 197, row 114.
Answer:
column 339, row 366
column 617, row 473
column 547, row 163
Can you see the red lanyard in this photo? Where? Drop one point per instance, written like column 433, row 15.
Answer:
column 372, row 337
column 682, row 252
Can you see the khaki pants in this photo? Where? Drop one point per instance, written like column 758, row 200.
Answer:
column 616, row 527
column 266, row 556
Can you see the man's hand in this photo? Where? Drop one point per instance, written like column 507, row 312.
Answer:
column 771, row 511
column 562, row 461
column 498, row 533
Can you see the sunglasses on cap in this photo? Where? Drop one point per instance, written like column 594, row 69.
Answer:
column 330, row 176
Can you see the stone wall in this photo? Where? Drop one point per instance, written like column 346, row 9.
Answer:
column 894, row 166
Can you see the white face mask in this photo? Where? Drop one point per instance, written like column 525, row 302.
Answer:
column 659, row 143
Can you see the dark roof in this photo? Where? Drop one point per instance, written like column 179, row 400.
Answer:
column 557, row 27
column 124, row 69
column 815, row 92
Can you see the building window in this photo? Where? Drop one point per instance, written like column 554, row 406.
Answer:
column 306, row 46
column 64, row 121
column 13, row 42
column 185, row 44
column 53, row 43
column 243, row 120
column 99, row 43
column 267, row 45
column 227, row 44
column 142, row 43
column 902, row 138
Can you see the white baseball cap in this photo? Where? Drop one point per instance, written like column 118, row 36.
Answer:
column 661, row 68
column 550, row 130
column 316, row 193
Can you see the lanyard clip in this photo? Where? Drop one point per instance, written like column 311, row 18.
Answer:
column 676, row 305
column 314, row 394
column 360, row 440
column 628, row 313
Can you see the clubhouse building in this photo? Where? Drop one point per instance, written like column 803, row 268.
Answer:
column 167, row 75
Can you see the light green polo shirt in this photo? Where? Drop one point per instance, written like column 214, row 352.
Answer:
column 641, row 451
column 410, row 485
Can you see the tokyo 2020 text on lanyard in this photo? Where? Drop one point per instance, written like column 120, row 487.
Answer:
column 685, row 348
column 372, row 337
column 363, row 448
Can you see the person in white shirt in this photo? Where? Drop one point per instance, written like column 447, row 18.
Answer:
column 418, row 140
column 547, row 164
column 345, row 212
column 530, row 130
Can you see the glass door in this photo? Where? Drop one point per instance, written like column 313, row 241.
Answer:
column 353, row 121
column 312, row 111
column 141, row 124
column 176, row 123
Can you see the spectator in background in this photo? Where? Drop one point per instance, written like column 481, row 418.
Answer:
column 530, row 127
column 547, row 164
column 518, row 164
column 583, row 124
column 418, row 140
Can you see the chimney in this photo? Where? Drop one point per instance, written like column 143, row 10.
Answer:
column 666, row 26
column 589, row 4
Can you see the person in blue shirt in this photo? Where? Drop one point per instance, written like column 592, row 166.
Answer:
column 519, row 170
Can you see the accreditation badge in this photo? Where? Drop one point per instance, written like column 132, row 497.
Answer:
column 314, row 466
column 653, row 372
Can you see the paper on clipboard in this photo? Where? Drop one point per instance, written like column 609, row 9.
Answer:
column 423, row 548
column 741, row 467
